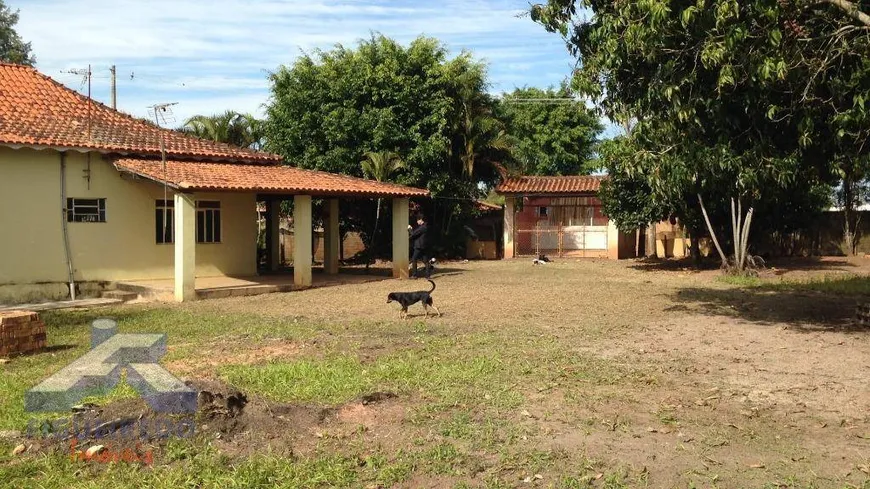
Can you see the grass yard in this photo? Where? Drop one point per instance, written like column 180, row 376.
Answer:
column 574, row 374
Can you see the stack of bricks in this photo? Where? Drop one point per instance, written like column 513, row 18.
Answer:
column 862, row 315
column 20, row 332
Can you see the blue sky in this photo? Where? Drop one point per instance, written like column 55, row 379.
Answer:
column 210, row 56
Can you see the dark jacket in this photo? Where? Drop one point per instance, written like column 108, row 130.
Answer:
column 420, row 237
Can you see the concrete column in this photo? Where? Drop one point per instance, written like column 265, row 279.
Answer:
column 331, row 237
column 273, row 233
column 509, row 226
column 302, row 240
column 185, row 247
column 400, row 238
column 612, row 240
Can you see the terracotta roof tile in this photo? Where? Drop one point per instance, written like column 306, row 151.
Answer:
column 484, row 206
column 205, row 176
column 38, row 111
column 550, row 185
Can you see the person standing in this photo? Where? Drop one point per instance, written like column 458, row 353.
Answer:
column 420, row 241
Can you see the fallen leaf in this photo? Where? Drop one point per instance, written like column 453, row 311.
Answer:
column 526, row 413
column 539, row 476
column 527, row 480
column 19, row 449
column 598, row 476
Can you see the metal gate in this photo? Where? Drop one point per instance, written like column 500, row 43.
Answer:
column 561, row 241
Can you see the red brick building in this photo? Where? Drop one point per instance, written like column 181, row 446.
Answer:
column 559, row 216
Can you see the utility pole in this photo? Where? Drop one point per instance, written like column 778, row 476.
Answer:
column 114, row 89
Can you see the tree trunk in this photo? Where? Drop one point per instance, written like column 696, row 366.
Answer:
column 371, row 251
column 736, row 215
column 695, row 250
column 849, row 228
column 744, row 240
column 712, row 233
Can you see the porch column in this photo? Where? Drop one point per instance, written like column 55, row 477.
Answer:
column 612, row 240
column 273, row 233
column 400, row 238
column 509, row 226
column 302, row 240
column 331, row 237
column 185, row 247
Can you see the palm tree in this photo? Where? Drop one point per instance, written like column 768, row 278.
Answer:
column 379, row 165
column 480, row 131
column 230, row 127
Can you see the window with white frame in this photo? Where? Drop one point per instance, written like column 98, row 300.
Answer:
column 164, row 220
column 208, row 221
column 85, row 210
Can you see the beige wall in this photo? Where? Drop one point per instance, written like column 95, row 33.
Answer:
column 124, row 247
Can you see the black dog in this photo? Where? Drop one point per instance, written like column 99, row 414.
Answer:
column 410, row 298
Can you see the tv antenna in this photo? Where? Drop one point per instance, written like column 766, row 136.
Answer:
column 86, row 75
column 163, row 114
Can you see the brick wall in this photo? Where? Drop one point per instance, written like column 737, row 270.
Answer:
column 20, row 332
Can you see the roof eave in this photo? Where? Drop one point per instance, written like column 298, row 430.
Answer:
column 145, row 154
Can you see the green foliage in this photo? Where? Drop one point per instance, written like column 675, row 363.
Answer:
column 381, row 164
column 758, row 100
column 230, row 127
column 551, row 135
column 330, row 108
column 12, row 48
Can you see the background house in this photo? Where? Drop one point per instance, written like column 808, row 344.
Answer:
column 92, row 196
column 560, row 216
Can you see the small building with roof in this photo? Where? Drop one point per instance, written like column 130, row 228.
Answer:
column 560, row 216
column 91, row 195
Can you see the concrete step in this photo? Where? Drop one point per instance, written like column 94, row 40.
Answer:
column 122, row 295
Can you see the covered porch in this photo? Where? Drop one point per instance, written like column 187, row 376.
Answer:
column 221, row 287
column 272, row 185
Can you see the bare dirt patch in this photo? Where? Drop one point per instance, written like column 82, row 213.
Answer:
column 234, row 352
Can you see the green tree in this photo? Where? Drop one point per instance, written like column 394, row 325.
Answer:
column 729, row 96
column 379, row 166
column 553, row 133
column 230, row 127
column 329, row 108
column 12, row 48
column 481, row 135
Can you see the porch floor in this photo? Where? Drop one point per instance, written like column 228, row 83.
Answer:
column 268, row 282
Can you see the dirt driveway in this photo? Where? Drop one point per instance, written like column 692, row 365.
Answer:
column 697, row 381
column 579, row 373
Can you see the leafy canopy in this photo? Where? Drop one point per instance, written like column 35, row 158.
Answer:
column 762, row 99
column 552, row 132
column 12, row 48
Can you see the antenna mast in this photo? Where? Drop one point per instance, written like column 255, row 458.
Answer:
column 163, row 112
column 86, row 78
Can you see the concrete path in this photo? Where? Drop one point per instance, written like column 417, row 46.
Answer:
column 49, row 306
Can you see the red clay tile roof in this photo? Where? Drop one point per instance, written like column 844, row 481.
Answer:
column 204, row 176
column 484, row 206
column 550, row 185
column 38, row 111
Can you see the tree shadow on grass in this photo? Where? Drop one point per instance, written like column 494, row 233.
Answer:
column 819, row 305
